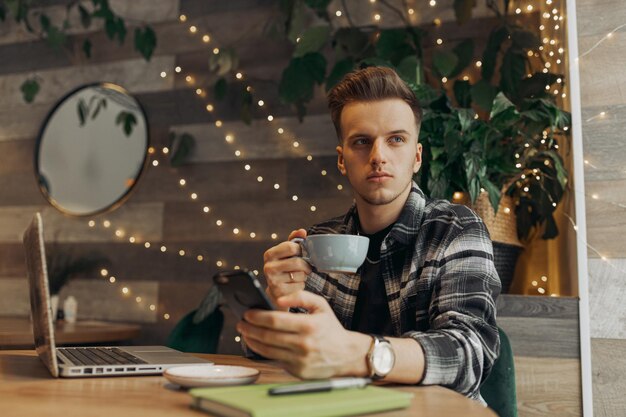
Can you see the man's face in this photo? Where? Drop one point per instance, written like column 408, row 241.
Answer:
column 379, row 152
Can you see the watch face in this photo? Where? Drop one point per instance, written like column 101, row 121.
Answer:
column 383, row 358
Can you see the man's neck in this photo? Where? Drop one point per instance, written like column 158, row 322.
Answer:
column 374, row 218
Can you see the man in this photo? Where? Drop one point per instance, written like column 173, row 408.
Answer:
column 428, row 284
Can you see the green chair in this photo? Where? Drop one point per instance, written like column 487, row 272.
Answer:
column 498, row 390
column 201, row 337
column 199, row 331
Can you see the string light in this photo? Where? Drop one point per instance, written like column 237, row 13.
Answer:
column 209, row 108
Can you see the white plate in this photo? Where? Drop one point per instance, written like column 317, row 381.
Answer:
column 211, row 375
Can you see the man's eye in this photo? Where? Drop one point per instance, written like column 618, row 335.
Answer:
column 361, row 141
column 396, row 139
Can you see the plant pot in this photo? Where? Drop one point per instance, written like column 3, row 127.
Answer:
column 502, row 228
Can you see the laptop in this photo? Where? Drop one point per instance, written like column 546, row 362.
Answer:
column 84, row 361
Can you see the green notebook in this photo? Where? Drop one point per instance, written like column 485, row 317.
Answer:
column 254, row 401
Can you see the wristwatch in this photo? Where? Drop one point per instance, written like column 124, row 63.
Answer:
column 380, row 358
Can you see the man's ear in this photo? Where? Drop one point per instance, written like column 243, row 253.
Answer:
column 340, row 162
column 418, row 158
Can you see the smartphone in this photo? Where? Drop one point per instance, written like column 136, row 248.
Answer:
column 242, row 291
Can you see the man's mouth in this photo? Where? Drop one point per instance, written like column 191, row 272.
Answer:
column 379, row 176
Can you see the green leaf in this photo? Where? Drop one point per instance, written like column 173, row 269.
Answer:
column 13, row 6
column 121, row 30
column 512, row 72
column 83, row 111
column 110, row 27
column 102, row 104
column 535, row 84
column 3, row 13
column 425, row 93
column 318, row 5
column 464, row 52
column 245, row 112
column 145, row 42
column 490, row 55
column 407, row 69
column 466, row 117
column 525, row 39
column 493, row 192
column 182, row 147
column 85, row 16
column 312, row 40
column 505, row 119
column 393, row 45
column 436, row 152
column 444, row 62
column 339, row 71
column 375, row 61
column 297, row 21
column 436, row 168
column 463, row 10
column 561, row 172
column 87, row 48
column 473, row 188
column 220, row 88
column 29, row 89
column 128, row 120
column 453, row 142
column 299, row 78
column 316, row 66
column 438, row 186
column 483, row 94
column 500, row 104
column 462, row 93
column 441, row 104
column 54, row 36
column 551, row 230
column 351, row 41
column 45, row 22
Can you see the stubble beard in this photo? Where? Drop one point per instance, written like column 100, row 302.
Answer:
column 383, row 200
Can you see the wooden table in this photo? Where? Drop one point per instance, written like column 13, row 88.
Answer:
column 18, row 332
column 27, row 389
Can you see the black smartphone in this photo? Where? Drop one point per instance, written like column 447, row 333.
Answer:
column 242, row 291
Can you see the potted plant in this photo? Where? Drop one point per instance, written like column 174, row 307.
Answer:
column 495, row 138
column 507, row 166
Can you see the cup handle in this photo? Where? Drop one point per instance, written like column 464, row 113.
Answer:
column 302, row 242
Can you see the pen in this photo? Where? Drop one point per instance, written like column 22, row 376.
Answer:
column 320, row 386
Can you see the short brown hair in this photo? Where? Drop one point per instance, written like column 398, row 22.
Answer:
column 370, row 84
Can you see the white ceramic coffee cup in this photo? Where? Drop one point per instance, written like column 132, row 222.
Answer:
column 334, row 252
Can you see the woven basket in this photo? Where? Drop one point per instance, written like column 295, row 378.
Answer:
column 503, row 225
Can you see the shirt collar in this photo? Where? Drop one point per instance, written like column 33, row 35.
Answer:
column 408, row 222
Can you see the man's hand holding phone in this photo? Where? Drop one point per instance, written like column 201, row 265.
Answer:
column 284, row 268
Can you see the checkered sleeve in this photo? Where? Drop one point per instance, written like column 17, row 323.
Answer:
column 463, row 342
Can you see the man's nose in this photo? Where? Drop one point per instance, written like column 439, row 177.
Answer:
column 377, row 153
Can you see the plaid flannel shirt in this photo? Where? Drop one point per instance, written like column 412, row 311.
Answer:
column 441, row 282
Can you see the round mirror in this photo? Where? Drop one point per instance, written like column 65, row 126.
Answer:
column 91, row 149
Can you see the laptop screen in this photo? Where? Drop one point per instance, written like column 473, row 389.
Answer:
column 40, row 308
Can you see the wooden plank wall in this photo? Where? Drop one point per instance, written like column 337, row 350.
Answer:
column 545, row 340
column 160, row 211
column 603, row 81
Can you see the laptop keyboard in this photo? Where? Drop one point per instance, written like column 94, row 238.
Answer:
column 100, row 356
